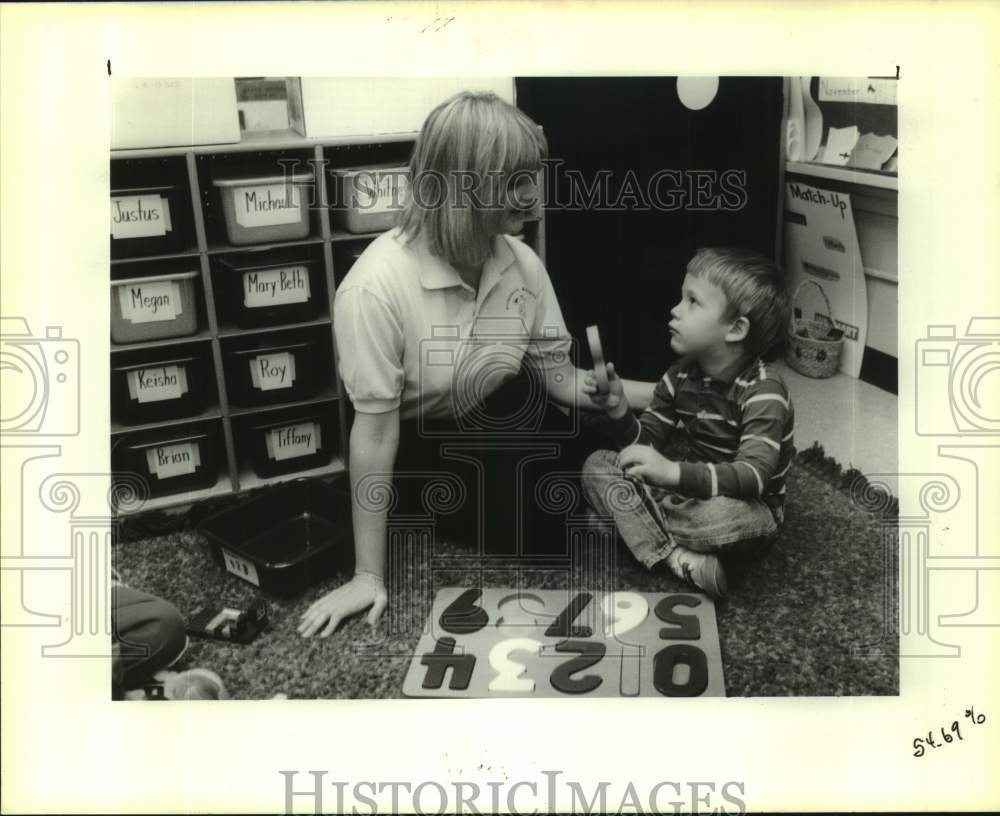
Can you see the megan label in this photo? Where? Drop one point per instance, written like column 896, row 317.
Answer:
column 150, row 302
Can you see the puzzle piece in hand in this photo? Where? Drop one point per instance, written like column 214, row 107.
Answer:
column 553, row 643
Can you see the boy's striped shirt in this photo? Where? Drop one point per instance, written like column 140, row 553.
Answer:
column 741, row 430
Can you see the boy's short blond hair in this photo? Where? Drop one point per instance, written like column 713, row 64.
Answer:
column 754, row 287
column 469, row 151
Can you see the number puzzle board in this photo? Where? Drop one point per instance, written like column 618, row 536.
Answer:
column 555, row 643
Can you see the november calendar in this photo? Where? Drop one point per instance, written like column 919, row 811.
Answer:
column 567, row 643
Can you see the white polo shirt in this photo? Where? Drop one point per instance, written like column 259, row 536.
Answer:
column 411, row 334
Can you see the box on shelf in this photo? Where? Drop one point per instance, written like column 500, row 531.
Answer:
column 285, row 537
column 272, row 291
column 171, row 461
column 173, row 112
column 261, row 209
column 159, row 389
column 292, row 443
column 368, row 199
column 151, row 220
column 154, row 307
column 273, row 372
column 323, row 107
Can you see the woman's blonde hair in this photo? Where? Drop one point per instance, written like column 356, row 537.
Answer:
column 469, row 151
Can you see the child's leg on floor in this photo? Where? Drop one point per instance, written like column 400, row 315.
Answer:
column 148, row 636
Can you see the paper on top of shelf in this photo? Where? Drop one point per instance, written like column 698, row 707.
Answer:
column 872, row 151
column 839, row 144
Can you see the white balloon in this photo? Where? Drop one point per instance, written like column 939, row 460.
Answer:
column 697, row 93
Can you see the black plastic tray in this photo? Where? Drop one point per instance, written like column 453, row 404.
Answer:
column 265, row 467
column 240, row 380
column 177, row 239
column 233, row 271
column 130, row 411
column 286, row 537
column 131, row 457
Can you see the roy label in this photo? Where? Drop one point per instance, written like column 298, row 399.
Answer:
column 140, row 217
column 276, row 287
column 157, row 384
column 167, row 461
column 266, row 205
column 270, row 372
column 293, row 441
column 150, row 302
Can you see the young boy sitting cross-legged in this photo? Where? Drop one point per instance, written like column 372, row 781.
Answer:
column 726, row 404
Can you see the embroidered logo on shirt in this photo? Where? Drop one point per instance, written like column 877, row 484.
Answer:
column 518, row 299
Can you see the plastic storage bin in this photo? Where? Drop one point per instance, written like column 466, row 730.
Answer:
column 269, row 373
column 149, row 221
column 172, row 462
column 290, row 444
column 158, row 390
column 266, row 208
column 271, row 293
column 150, row 308
column 368, row 199
column 286, row 537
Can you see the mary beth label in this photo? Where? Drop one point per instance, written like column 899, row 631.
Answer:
column 379, row 191
column 293, row 441
column 150, row 302
column 270, row 372
column 140, row 217
column 265, row 205
column 276, row 287
column 167, row 461
column 157, row 383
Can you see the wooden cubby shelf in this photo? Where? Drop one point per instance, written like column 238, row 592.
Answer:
column 218, row 328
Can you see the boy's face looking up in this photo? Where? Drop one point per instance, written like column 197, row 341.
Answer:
column 698, row 327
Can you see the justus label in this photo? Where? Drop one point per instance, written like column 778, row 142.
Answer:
column 139, row 216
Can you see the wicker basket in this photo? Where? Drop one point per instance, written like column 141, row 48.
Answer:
column 814, row 346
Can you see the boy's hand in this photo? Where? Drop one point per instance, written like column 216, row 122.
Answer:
column 648, row 464
column 614, row 403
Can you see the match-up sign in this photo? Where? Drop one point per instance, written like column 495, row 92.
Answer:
column 140, row 216
column 265, row 205
column 166, row 461
column 150, row 302
column 157, row 383
column 276, row 287
column 293, row 441
column 270, row 372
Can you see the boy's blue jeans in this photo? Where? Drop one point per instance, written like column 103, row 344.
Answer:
column 653, row 521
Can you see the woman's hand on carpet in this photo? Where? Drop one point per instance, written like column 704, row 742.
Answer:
column 355, row 596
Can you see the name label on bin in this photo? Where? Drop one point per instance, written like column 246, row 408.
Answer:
column 167, row 461
column 150, row 302
column 275, row 287
column 269, row 372
column 265, row 205
column 240, row 567
column 293, row 441
column 140, row 217
column 157, row 384
column 379, row 191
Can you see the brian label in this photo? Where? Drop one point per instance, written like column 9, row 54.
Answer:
column 166, row 461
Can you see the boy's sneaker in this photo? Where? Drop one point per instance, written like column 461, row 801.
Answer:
column 704, row 570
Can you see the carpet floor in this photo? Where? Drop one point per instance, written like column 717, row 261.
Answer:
column 813, row 616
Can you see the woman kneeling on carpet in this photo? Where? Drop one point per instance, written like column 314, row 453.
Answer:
column 449, row 339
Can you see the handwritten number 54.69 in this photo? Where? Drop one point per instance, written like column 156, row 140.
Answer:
column 947, row 737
